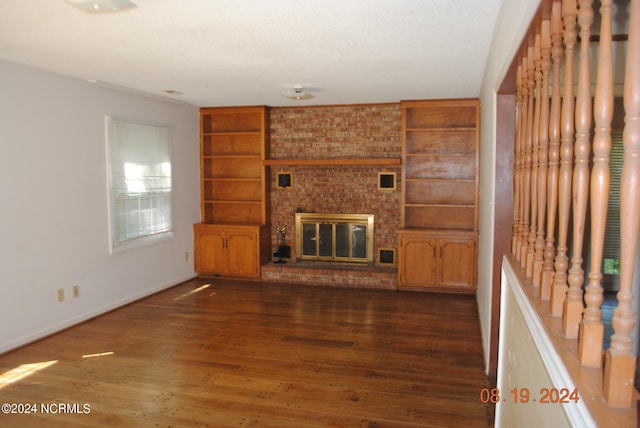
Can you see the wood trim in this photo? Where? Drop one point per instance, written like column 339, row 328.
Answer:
column 333, row 161
column 503, row 212
column 323, row 106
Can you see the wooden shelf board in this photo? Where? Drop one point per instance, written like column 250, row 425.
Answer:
column 232, row 179
column 443, row 180
column 441, row 128
column 334, row 161
column 440, row 154
column 214, row 133
column 216, row 156
column 235, row 201
column 426, row 205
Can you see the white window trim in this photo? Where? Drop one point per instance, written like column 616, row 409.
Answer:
column 142, row 241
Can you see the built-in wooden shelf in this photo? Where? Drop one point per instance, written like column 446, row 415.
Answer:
column 334, row 161
column 438, row 238
column 234, row 238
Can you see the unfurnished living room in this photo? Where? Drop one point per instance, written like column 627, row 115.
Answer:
column 367, row 213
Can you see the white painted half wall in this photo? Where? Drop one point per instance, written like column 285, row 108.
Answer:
column 528, row 359
column 53, row 196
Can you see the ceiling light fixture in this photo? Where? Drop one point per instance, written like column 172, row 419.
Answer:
column 101, row 6
column 297, row 93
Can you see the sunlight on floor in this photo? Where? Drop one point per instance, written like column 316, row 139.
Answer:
column 101, row 354
column 203, row 287
column 23, row 371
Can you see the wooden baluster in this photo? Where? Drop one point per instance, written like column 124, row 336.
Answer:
column 591, row 329
column 535, row 152
column 573, row 305
column 543, row 148
column 515, row 234
column 528, row 148
column 560, row 285
column 554, row 152
column 524, row 226
column 620, row 362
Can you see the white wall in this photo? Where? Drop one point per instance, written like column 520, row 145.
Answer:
column 510, row 28
column 53, row 196
column 527, row 359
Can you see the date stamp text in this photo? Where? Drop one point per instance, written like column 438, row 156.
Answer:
column 525, row 395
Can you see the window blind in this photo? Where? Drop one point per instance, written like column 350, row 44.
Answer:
column 139, row 181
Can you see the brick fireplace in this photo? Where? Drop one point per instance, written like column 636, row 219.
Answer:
column 339, row 238
column 310, row 144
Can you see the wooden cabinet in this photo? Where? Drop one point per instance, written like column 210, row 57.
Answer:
column 439, row 220
column 437, row 260
column 230, row 250
column 417, row 258
column 233, row 238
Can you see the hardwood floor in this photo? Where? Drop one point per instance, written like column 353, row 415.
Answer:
column 242, row 354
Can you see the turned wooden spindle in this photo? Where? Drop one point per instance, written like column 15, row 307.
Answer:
column 543, row 148
column 528, row 149
column 591, row 329
column 515, row 231
column 573, row 305
column 535, row 151
column 554, row 152
column 620, row 362
column 561, row 264
column 524, row 225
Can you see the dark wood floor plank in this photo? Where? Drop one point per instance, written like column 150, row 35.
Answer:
column 244, row 354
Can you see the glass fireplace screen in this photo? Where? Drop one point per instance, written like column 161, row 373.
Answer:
column 334, row 237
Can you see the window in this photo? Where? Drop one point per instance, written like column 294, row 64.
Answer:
column 139, row 183
column 612, row 241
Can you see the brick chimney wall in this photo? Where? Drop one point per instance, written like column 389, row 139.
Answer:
column 324, row 132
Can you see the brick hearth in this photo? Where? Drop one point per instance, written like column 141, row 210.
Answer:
column 331, row 275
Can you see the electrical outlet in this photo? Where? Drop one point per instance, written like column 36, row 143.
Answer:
column 60, row 294
column 186, row 256
column 76, row 291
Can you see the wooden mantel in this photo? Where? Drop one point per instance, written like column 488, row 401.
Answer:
column 334, row 161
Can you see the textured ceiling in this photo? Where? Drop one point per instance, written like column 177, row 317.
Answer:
column 246, row 52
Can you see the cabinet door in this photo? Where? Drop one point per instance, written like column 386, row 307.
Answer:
column 242, row 253
column 210, row 252
column 457, row 263
column 417, row 262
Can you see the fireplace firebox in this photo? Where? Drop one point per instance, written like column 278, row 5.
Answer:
column 334, row 237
